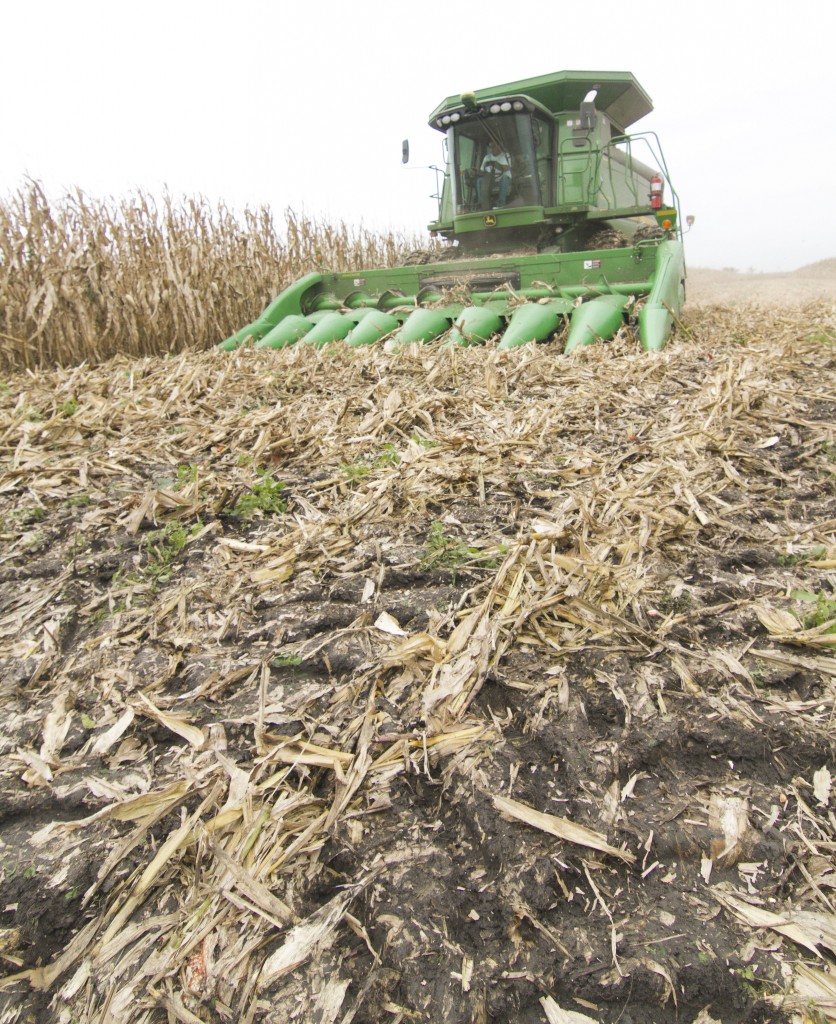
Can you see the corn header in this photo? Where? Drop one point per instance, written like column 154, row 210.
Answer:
column 550, row 215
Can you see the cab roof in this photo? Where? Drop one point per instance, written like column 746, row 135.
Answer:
column 620, row 96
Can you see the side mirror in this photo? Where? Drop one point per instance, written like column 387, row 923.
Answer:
column 405, row 151
column 689, row 220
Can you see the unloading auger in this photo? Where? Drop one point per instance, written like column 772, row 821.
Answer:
column 547, row 216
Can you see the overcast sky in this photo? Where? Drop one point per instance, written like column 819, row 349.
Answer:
column 305, row 104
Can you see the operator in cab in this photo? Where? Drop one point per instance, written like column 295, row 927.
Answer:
column 494, row 174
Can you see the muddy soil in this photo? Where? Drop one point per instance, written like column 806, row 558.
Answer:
column 295, row 648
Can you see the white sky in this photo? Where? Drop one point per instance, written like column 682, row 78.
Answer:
column 305, row 104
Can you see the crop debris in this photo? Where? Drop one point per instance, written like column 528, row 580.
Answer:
column 531, row 719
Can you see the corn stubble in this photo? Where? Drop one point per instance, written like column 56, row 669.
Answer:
column 82, row 279
column 610, row 731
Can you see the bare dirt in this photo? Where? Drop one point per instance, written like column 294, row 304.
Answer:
column 449, row 686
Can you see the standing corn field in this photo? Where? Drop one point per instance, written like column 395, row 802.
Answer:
column 84, row 279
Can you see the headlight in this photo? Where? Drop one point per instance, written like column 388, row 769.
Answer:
column 455, row 117
column 505, row 107
column 495, row 108
column 519, row 105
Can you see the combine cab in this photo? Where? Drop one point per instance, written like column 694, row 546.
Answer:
column 548, row 216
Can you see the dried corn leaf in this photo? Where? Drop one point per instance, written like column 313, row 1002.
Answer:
column 561, row 828
column 807, row 928
column 555, row 1015
column 110, row 736
column 305, row 939
column 822, row 785
column 729, row 816
column 816, row 988
column 387, row 623
column 415, row 646
column 176, row 723
column 253, row 889
column 777, row 621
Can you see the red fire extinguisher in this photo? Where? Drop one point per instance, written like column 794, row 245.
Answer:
column 655, row 192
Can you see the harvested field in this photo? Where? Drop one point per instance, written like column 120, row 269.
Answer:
column 450, row 686
column 797, row 289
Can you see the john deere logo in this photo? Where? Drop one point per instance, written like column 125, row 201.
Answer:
column 490, row 221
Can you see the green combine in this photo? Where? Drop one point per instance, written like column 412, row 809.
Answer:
column 546, row 216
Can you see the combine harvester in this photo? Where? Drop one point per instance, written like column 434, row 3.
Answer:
column 548, row 216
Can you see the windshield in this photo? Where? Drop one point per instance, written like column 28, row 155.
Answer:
column 500, row 161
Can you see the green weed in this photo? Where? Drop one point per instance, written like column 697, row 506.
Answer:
column 356, row 470
column 186, row 475
column 286, row 661
column 264, row 496
column 389, row 457
column 670, row 605
column 106, row 610
column 750, row 983
column 69, row 408
column 824, row 611
column 423, row 441
column 814, row 554
column 444, row 551
column 165, row 545
column 30, row 514
column 362, row 467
